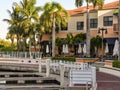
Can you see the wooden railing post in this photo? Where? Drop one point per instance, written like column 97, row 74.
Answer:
column 82, row 66
column 47, row 68
column 62, row 69
column 40, row 66
column 94, row 75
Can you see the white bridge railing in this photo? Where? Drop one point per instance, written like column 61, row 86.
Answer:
column 21, row 55
column 56, row 66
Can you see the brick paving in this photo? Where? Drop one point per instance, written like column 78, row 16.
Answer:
column 107, row 82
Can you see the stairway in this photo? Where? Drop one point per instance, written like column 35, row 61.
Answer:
column 26, row 79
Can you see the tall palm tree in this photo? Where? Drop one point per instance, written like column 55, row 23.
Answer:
column 11, row 36
column 96, row 43
column 53, row 15
column 79, row 3
column 39, row 33
column 31, row 13
column 15, row 22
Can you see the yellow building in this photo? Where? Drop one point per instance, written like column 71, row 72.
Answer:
column 106, row 17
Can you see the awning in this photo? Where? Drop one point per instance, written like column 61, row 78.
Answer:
column 110, row 40
column 80, row 43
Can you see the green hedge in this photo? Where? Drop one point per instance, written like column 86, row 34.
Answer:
column 64, row 58
column 116, row 64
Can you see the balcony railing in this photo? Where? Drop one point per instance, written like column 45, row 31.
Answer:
column 115, row 27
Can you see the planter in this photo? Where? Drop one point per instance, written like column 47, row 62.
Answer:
column 108, row 63
column 88, row 60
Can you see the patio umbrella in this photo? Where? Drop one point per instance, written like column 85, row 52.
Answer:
column 66, row 48
column 106, row 48
column 84, row 49
column 115, row 49
column 63, row 48
column 79, row 49
column 95, row 49
column 47, row 49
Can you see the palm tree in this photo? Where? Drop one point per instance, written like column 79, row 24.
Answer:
column 79, row 3
column 96, row 43
column 81, row 37
column 30, row 11
column 11, row 36
column 53, row 15
column 15, row 22
column 59, row 42
column 39, row 33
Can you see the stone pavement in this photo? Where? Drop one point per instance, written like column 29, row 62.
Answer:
column 107, row 82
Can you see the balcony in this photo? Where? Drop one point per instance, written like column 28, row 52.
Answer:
column 115, row 27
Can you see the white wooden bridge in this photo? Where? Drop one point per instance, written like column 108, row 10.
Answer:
column 50, row 67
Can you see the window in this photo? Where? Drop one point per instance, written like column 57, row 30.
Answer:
column 108, row 20
column 80, row 25
column 93, row 23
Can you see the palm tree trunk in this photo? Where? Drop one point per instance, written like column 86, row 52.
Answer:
column 53, row 38
column 119, row 30
column 34, row 43
column 30, row 49
column 18, row 47
column 24, row 43
column 12, row 44
column 88, row 32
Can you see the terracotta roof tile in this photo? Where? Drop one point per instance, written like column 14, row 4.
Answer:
column 79, row 10
column 83, row 9
column 111, row 5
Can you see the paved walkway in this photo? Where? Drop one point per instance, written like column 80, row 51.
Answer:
column 107, row 82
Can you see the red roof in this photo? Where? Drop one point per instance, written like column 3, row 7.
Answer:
column 83, row 9
column 111, row 5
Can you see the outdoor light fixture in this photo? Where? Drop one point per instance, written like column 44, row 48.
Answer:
column 102, row 30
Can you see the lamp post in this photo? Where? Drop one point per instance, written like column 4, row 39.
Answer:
column 102, row 29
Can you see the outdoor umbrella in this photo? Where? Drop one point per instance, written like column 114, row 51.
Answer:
column 79, row 49
column 106, row 48
column 66, row 48
column 84, row 49
column 115, row 49
column 47, row 49
column 63, row 48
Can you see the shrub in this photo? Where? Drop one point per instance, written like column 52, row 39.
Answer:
column 116, row 64
column 64, row 58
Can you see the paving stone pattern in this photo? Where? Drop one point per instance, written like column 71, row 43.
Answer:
column 107, row 82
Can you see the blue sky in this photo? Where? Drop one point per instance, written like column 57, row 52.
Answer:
column 7, row 4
